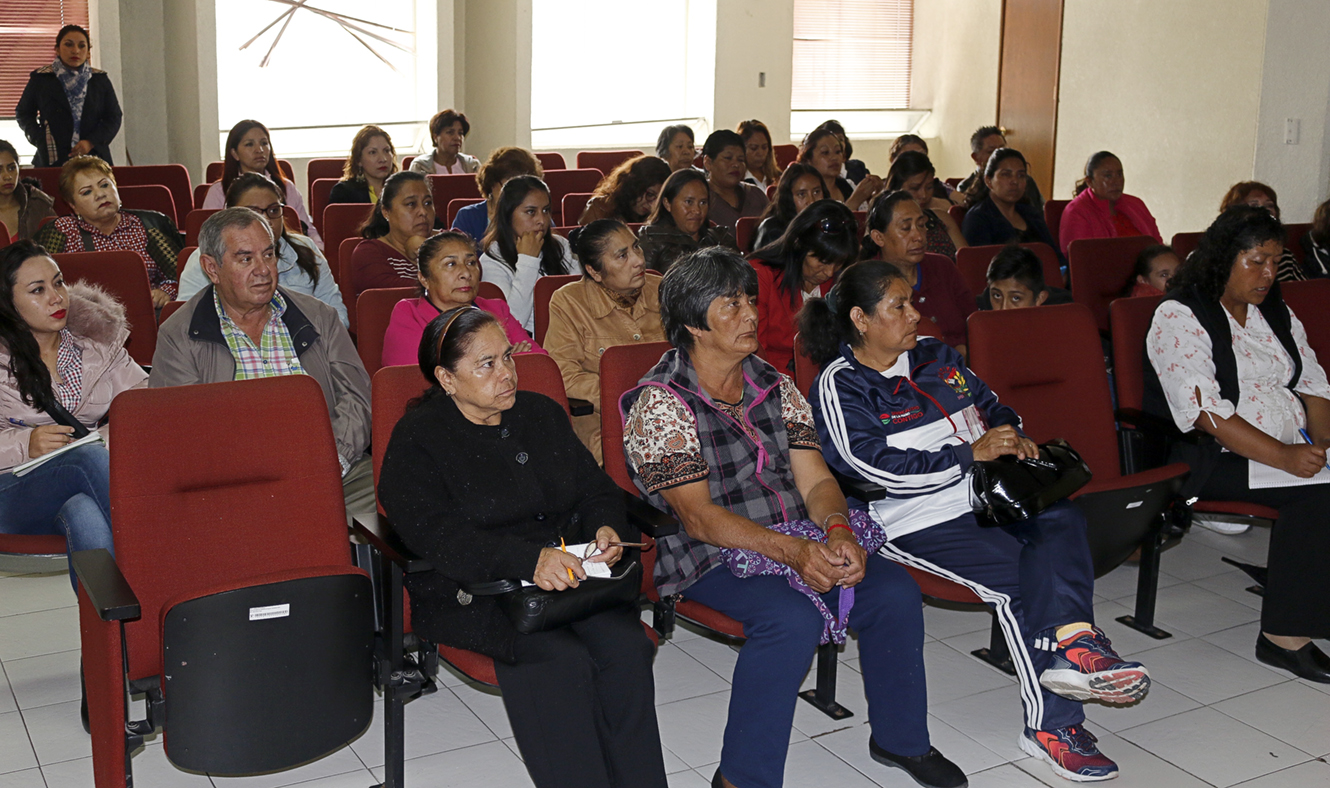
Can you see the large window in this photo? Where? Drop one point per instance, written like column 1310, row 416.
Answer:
column 852, row 60
column 27, row 42
column 614, row 72
column 328, row 76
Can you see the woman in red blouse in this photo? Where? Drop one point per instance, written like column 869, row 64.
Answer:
column 399, row 224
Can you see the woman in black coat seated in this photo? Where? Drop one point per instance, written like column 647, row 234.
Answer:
column 69, row 108
column 1003, row 216
column 1228, row 360
column 485, row 482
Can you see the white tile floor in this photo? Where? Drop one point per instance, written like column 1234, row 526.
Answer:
column 1215, row 717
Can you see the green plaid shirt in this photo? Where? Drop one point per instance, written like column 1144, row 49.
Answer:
column 275, row 355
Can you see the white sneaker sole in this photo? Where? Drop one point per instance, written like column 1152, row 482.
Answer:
column 1117, row 687
column 1033, row 749
column 1222, row 526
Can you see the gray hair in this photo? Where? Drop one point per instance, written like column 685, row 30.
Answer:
column 692, row 282
column 210, row 235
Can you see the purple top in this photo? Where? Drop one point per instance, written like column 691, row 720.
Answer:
column 401, row 342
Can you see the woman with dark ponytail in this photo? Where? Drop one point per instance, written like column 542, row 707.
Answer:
column 904, row 412
column 400, row 222
column 479, row 479
column 62, row 361
column 521, row 246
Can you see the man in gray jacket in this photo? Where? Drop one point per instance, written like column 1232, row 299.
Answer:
column 244, row 326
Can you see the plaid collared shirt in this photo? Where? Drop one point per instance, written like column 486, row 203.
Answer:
column 276, row 353
column 69, row 363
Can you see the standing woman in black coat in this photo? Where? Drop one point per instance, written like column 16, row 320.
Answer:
column 487, row 482
column 69, row 108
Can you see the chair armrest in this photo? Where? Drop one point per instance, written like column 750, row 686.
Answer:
column 862, row 489
column 648, row 519
column 378, row 532
column 106, row 587
column 1154, row 425
column 580, row 407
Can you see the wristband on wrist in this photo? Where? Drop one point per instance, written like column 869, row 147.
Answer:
column 840, row 525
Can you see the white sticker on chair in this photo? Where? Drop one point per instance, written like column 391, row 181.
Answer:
column 271, row 611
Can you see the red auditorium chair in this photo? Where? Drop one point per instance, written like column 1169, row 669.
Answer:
column 168, row 309
column 744, row 232
column 252, row 660
column 957, row 213
column 1309, row 301
column 1185, row 243
column 544, row 289
column 391, row 389
column 785, row 155
column 621, row 367
column 491, row 290
column 49, row 177
column 194, row 222
column 771, row 191
column 324, row 168
column 215, row 168
column 551, row 161
column 572, row 205
column 458, row 203
column 1048, row 365
column 151, row 197
column 1100, row 269
column 604, row 160
column 342, row 220
column 1053, row 217
column 374, row 308
column 1293, row 238
column 122, row 274
column 342, row 270
column 180, row 260
column 1130, row 319
column 406, row 162
column 447, row 188
column 319, row 192
column 200, row 194
column 173, row 176
column 563, row 182
column 972, row 263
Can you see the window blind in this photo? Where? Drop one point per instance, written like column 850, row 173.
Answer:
column 27, row 41
column 852, row 54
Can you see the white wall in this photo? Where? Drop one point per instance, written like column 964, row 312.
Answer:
column 1295, row 83
column 497, row 94
column 1173, row 88
column 754, row 37
column 955, row 74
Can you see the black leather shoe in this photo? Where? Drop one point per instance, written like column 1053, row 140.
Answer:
column 932, row 770
column 1308, row 662
column 716, row 780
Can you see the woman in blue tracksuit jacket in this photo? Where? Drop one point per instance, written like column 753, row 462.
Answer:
column 904, row 412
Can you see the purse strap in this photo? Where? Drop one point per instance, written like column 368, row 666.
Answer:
column 66, row 419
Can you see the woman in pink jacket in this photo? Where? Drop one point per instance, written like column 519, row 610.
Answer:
column 62, row 352
column 1101, row 209
column 450, row 276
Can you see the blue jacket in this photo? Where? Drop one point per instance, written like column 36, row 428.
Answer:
column 908, row 429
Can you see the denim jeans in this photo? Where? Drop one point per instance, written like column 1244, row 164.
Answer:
column 69, row 495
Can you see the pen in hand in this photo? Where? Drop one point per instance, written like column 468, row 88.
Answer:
column 571, row 578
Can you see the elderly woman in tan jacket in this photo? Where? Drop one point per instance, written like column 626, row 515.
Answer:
column 62, row 361
column 616, row 303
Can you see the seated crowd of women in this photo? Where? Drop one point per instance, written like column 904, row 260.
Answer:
column 487, row 481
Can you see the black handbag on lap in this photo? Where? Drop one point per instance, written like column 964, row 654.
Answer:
column 532, row 609
column 1010, row 490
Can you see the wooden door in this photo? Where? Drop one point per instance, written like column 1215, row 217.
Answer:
column 1028, row 82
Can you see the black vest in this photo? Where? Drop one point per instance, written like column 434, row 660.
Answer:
column 1213, row 318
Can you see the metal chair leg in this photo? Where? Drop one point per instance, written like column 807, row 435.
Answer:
column 823, row 696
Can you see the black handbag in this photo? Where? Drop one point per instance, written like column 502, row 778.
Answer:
column 1010, row 489
column 532, row 609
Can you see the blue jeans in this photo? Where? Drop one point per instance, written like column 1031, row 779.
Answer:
column 70, row 495
column 1036, row 575
column 783, row 628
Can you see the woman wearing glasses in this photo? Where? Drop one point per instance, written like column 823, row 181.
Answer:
column 301, row 267
column 802, row 264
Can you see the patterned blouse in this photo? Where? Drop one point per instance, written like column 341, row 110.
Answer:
column 936, row 238
column 1180, row 350
column 661, row 435
column 158, row 246
column 69, row 363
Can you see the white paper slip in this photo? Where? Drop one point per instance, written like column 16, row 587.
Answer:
column 592, row 568
column 25, row 468
column 1261, row 476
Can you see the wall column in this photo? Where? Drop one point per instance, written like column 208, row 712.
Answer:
column 497, row 93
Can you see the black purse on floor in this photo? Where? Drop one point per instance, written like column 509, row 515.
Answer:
column 532, row 609
column 1010, row 490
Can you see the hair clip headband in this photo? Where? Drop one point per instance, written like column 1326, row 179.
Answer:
column 438, row 351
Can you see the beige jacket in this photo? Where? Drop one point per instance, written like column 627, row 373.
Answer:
column 584, row 321
column 98, row 324
column 191, row 349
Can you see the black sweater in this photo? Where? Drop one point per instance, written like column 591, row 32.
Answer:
column 44, row 108
column 480, row 502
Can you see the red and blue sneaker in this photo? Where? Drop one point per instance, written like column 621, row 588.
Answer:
column 1085, row 667
column 1072, row 753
